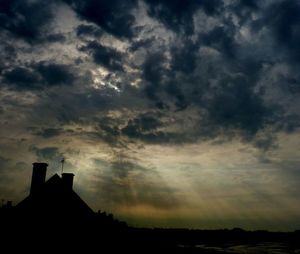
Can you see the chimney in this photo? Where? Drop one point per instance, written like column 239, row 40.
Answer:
column 67, row 180
column 38, row 176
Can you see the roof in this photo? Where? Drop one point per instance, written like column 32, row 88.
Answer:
column 55, row 200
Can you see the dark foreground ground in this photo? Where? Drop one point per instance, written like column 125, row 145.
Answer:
column 103, row 234
column 90, row 239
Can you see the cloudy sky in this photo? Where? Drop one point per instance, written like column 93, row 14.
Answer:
column 170, row 113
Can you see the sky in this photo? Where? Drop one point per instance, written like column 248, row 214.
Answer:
column 170, row 113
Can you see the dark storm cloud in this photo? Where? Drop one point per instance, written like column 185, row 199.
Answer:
column 222, row 39
column 153, row 68
column 154, row 73
column 184, row 58
column 108, row 125
column 173, row 89
column 88, row 30
column 8, row 53
column 150, row 128
column 232, row 101
column 288, row 123
column 113, row 16
column 39, row 75
column 235, row 105
column 208, row 69
column 25, row 19
column 23, row 78
column 284, row 20
column 231, row 104
column 244, row 9
column 181, row 79
column 178, row 15
column 105, row 56
column 248, row 3
column 174, row 82
column 55, row 74
column 145, row 127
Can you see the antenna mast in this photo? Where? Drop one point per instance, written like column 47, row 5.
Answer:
column 62, row 164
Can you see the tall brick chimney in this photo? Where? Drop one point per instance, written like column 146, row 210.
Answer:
column 38, row 176
column 67, row 180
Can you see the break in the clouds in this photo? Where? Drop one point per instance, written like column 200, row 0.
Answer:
column 167, row 111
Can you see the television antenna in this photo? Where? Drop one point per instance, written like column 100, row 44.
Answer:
column 62, row 161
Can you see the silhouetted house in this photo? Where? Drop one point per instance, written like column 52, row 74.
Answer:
column 54, row 198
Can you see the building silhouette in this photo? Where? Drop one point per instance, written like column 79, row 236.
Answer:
column 54, row 198
column 55, row 217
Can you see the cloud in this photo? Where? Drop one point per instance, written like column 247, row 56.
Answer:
column 184, row 58
column 154, row 73
column 145, row 127
column 178, row 15
column 222, row 39
column 49, row 132
column 141, row 44
column 88, row 30
column 283, row 19
column 209, row 73
column 235, row 105
column 22, row 77
column 266, row 142
column 39, row 75
column 55, row 37
column 113, row 16
column 55, row 74
column 8, row 54
column 249, row 3
column 25, row 19
column 105, row 56
column 245, row 9
column 47, row 153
